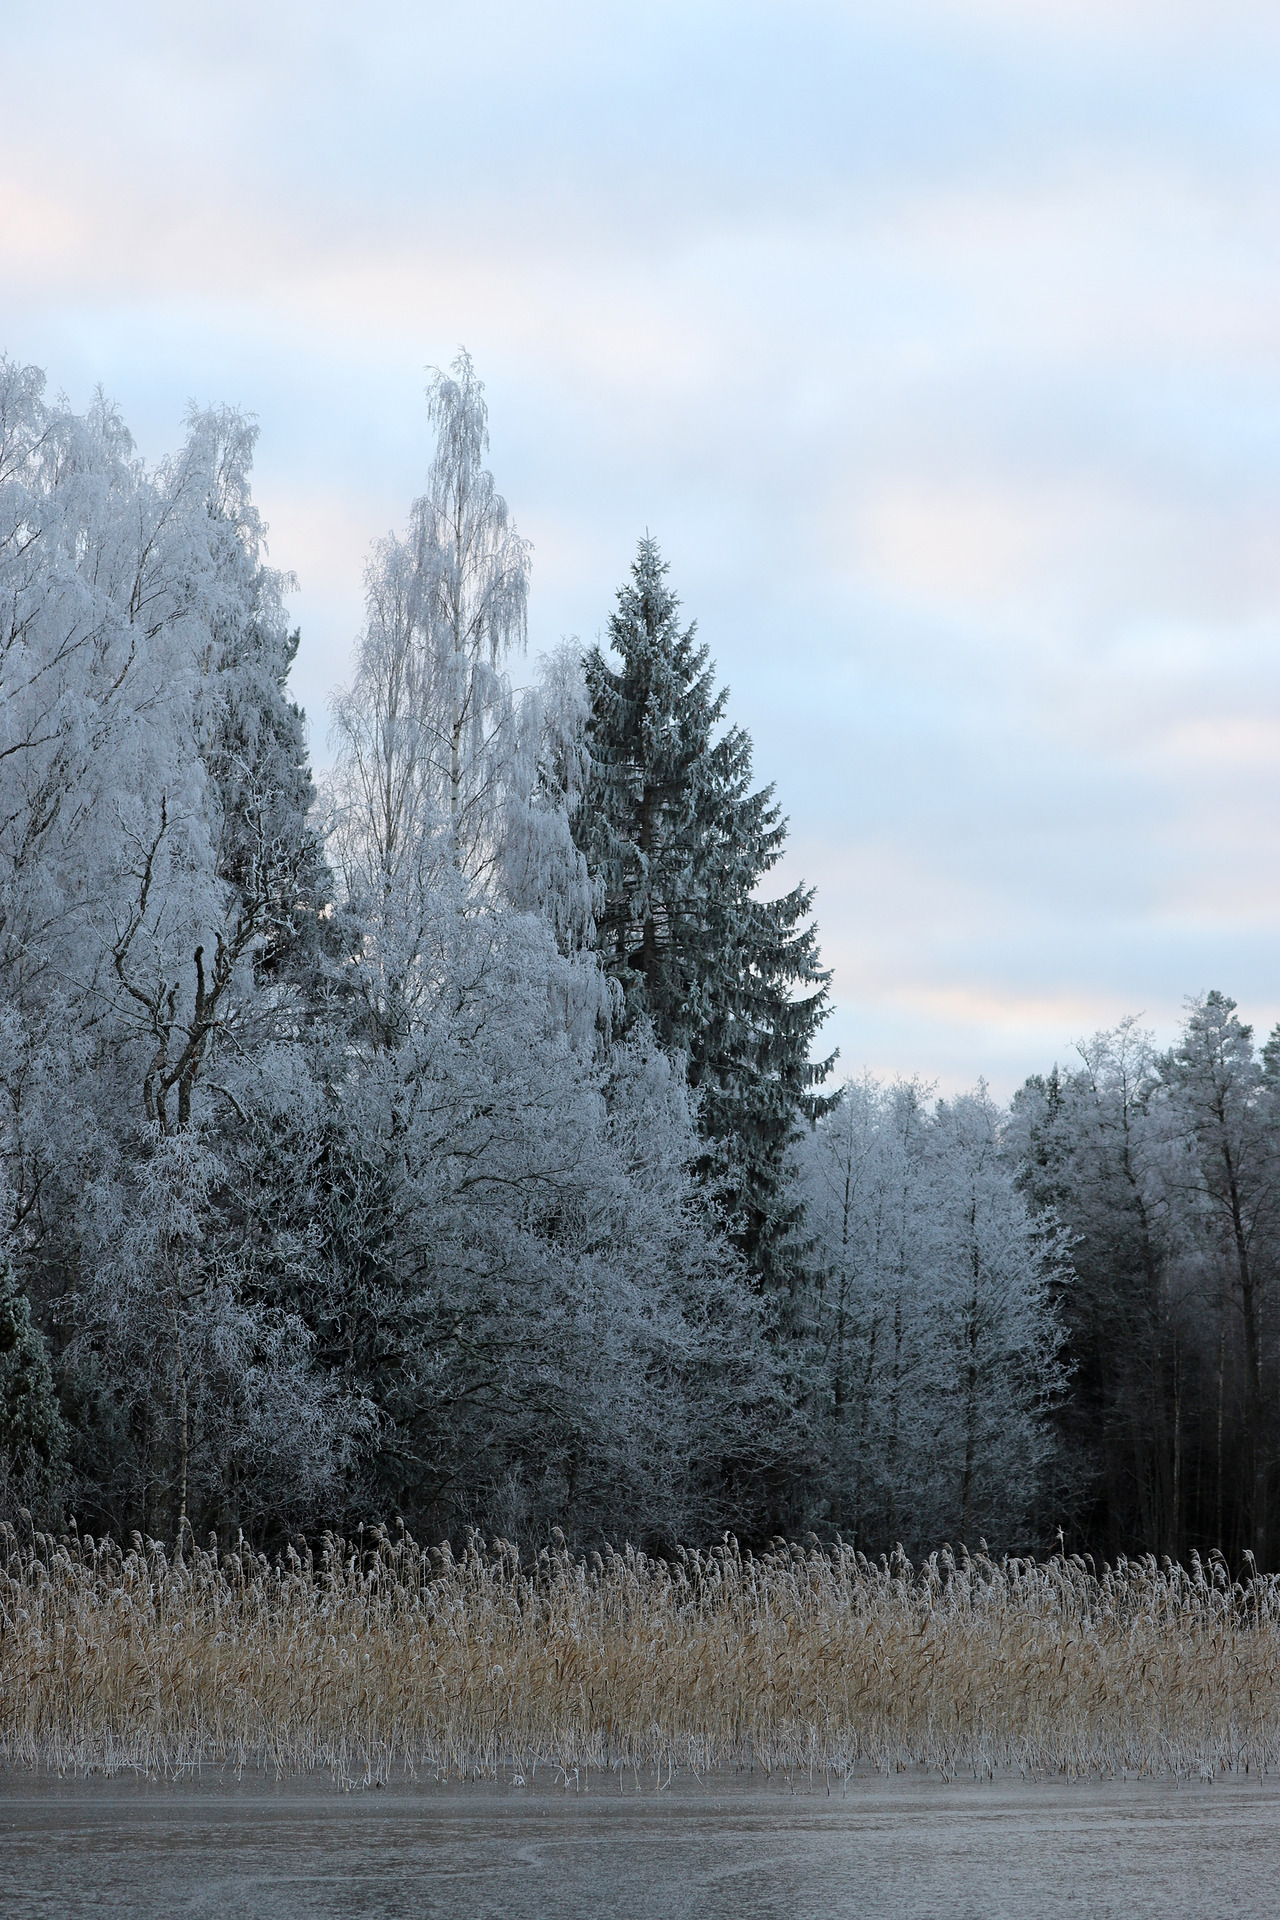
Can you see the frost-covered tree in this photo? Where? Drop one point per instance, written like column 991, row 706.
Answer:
column 155, row 867
column 489, row 1232
column 517, row 1271
column 149, row 848
column 1164, row 1167
column 1089, row 1143
column 204, row 1385
column 933, row 1327
column 859, row 1177
column 33, row 1436
column 544, row 870
column 379, row 1156
column 472, row 577
column 426, row 731
column 1225, row 1111
column 997, row 1330
column 446, row 782
column 679, row 844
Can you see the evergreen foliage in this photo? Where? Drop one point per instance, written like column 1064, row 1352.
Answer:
column 33, row 1438
column 679, row 844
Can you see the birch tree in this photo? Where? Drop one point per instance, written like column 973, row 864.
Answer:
column 426, row 731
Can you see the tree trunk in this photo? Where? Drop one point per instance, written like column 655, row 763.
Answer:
column 182, row 1434
column 971, row 1403
column 1255, row 1519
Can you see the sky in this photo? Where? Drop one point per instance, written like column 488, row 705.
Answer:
column 938, row 344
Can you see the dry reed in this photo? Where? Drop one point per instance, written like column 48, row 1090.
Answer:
column 378, row 1656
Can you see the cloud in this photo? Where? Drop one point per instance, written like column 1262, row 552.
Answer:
column 937, row 344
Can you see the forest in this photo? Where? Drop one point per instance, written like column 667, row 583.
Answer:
column 451, row 1141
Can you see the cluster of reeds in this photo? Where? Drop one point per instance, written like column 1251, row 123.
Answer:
column 375, row 1656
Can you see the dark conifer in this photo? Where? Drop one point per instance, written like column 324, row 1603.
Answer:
column 679, row 844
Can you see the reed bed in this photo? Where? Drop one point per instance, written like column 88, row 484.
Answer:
column 374, row 1657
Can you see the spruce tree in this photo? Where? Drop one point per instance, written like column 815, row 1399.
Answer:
column 32, row 1435
column 678, row 843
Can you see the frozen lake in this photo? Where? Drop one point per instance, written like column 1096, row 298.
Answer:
column 905, row 1847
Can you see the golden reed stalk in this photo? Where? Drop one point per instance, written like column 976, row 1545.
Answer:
column 377, row 1657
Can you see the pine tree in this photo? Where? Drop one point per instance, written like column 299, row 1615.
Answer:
column 679, row 843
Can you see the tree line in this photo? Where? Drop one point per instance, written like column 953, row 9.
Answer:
column 453, row 1138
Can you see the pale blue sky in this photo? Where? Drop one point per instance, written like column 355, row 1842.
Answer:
column 939, row 345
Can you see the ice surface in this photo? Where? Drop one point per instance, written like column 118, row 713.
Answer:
column 904, row 1847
